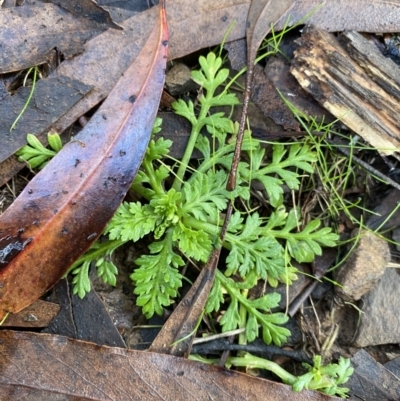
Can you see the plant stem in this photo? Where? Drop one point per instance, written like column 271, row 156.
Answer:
column 205, row 107
column 155, row 184
column 178, row 181
column 242, row 340
column 29, row 97
column 251, row 361
column 209, row 228
column 94, row 254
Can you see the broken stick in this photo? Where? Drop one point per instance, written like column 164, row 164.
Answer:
column 355, row 82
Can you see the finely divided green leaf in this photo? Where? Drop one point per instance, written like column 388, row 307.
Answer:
column 157, row 279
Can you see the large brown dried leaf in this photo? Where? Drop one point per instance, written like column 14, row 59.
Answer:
column 29, row 34
column 340, row 15
column 40, row 366
column 88, row 9
column 65, row 208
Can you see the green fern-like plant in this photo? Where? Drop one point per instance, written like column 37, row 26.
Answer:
column 180, row 212
column 183, row 218
column 35, row 154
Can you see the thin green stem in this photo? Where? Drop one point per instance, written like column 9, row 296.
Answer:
column 251, row 361
column 94, row 254
column 29, row 97
column 209, row 228
column 155, row 184
column 204, row 110
column 242, row 320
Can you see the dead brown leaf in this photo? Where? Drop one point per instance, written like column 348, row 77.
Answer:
column 262, row 15
column 37, row 315
column 30, row 33
column 40, row 366
column 88, row 9
column 339, row 15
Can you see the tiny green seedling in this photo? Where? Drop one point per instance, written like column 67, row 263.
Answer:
column 327, row 379
column 35, row 154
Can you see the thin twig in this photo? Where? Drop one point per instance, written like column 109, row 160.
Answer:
column 231, row 185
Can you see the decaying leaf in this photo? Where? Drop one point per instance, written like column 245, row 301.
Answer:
column 39, row 366
column 262, row 15
column 339, row 15
column 65, row 208
column 31, row 33
column 88, row 9
column 37, row 315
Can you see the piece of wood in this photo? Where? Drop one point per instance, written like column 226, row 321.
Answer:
column 359, row 86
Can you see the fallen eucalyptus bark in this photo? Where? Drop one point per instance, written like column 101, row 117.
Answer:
column 354, row 81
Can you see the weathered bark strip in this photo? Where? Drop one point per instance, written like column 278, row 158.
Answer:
column 352, row 80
